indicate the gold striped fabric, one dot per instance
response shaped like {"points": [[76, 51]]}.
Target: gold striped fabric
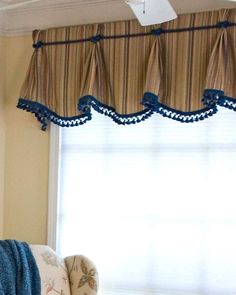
{"points": [[175, 66]]}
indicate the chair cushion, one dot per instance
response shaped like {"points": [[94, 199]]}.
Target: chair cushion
{"points": [[83, 275], [52, 269]]}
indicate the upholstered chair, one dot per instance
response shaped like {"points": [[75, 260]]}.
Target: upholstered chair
{"points": [[74, 275]]}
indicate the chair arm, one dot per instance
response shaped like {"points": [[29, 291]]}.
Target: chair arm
{"points": [[82, 273]]}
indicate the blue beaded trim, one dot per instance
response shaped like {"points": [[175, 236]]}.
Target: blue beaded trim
{"points": [[217, 97], [44, 115], [228, 102], [211, 98], [186, 117], [150, 100], [88, 101]]}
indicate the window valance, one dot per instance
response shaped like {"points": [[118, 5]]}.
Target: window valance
{"points": [[182, 70]]}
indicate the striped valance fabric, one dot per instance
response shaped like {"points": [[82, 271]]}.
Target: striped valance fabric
{"points": [[177, 71]]}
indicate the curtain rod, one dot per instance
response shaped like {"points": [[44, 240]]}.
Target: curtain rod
{"points": [[156, 32]]}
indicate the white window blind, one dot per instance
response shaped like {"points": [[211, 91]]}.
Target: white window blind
{"points": [[152, 204]]}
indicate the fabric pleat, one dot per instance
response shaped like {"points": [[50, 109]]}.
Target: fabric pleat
{"points": [[154, 69], [221, 67]]}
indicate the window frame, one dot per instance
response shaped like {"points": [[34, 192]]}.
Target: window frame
{"points": [[53, 187]]}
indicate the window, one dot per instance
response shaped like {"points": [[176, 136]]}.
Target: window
{"points": [[152, 204]]}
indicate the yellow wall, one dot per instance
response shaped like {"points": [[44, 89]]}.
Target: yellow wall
{"points": [[26, 155], [2, 129]]}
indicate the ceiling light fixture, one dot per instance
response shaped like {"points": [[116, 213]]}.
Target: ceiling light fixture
{"points": [[150, 12]]}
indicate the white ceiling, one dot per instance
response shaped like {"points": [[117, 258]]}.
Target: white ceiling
{"points": [[54, 13]]}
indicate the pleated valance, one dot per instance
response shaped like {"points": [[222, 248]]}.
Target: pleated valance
{"points": [[182, 70]]}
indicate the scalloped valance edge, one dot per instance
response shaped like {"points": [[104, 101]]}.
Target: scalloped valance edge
{"points": [[211, 98]]}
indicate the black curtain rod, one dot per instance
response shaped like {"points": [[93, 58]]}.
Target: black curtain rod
{"points": [[156, 32]]}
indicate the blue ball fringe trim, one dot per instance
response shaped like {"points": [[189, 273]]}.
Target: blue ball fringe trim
{"points": [[186, 117], [44, 115], [88, 101], [211, 98], [228, 102], [214, 97], [150, 100]]}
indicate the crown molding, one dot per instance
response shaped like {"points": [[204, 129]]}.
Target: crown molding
{"points": [[56, 13], [61, 5], [2, 24]]}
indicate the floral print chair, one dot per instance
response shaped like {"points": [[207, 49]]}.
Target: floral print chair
{"points": [[74, 275]]}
